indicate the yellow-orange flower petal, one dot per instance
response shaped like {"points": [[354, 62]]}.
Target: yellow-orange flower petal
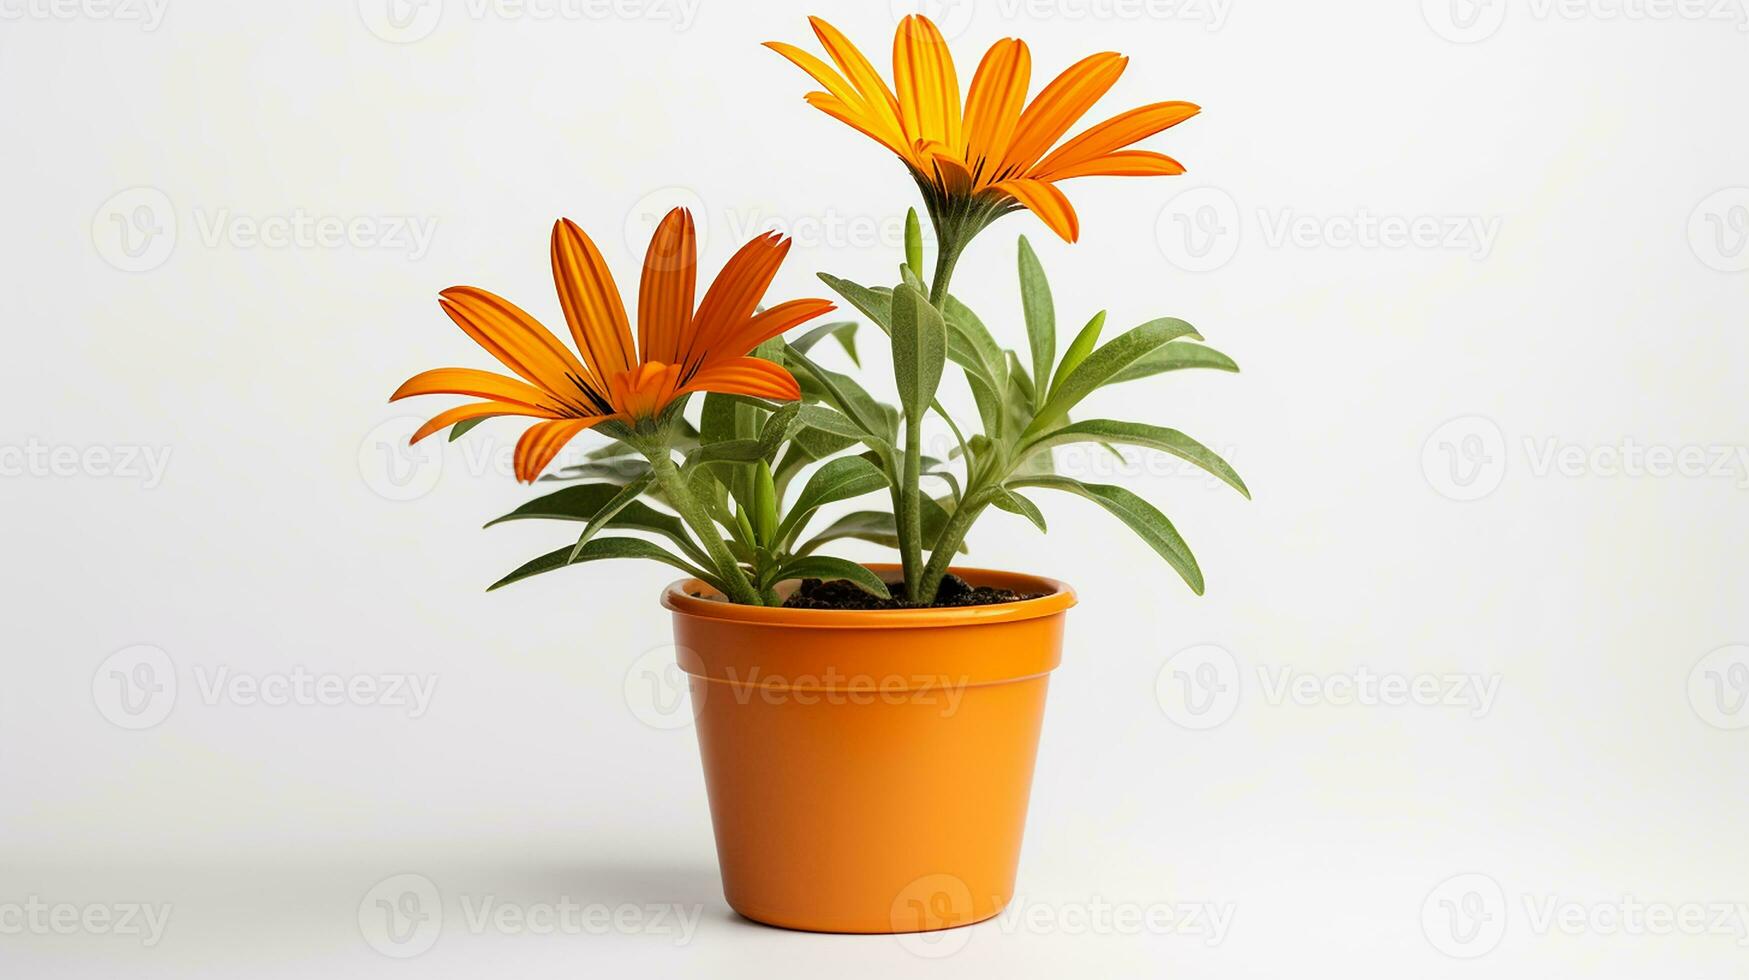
{"points": [[929, 93], [665, 293], [994, 101], [774, 321], [1123, 163], [1045, 200], [1114, 134], [591, 301], [878, 101], [1064, 101]]}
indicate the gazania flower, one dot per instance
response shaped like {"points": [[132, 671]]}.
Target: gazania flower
{"points": [[679, 351], [979, 163]]}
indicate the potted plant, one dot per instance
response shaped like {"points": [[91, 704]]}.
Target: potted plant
{"points": [[867, 731]]}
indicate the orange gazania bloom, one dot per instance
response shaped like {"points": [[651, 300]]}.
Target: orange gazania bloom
{"points": [[679, 351], [991, 157]]}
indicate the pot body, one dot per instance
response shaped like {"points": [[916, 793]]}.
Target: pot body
{"points": [[869, 772]]}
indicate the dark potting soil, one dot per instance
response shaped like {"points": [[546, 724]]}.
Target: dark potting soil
{"points": [[843, 594]]}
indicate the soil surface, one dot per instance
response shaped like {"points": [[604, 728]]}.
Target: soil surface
{"points": [[843, 594]]}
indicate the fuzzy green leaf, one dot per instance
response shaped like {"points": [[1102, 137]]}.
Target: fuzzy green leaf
{"points": [[1079, 348], [1141, 517], [827, 567], [1176, 357], [599, 549], [844, 332], [583, 502], [839, 479], [919, 351], [1041, 316], [1104, 364], [627, 495], [1139, 434], [1014, 503]]}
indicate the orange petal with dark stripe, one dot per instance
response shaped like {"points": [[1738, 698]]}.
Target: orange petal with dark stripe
{"points": [[665, 292], [1045, 200], [542, 442], [644, 391], [994, 101], [856, 120], [478, 384], [516, 339], [770, 323], [591, 301], [1114, 134], [733, 296], [476, 410], [746, 376]]}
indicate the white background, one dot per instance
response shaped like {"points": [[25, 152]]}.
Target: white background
{"points": [[1600, 312]]}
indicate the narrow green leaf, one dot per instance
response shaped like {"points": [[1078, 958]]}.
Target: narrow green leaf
{"points": [[1178, 356], [1014, 503], [872, 303], [622, 470], [729, 451], [839, 479], [465, 426], [583, 502], [777, 429], [1141, 517], [599, 549], [877, 527], [627, 495], [913, 243], [764, 505], [1041, 316], [827, 567], [919, 351], [843, 331], [1079, 348], [1139, 434], [843, 393], [1104, 364]]}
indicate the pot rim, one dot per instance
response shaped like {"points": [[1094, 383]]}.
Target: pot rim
{"points": [[678, 597]]}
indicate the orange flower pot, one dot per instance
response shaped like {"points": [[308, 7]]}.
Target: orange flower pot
{"points": [[869, 771]]}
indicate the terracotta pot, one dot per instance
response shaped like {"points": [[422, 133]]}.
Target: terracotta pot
{"points": [[869, 771]]}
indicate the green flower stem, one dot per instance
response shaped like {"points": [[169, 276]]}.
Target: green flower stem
{"points": [[947, 256], [911, 510], [947, 545], [693, 513]]}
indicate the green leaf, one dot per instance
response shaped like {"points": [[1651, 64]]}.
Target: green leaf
{"points": [[731, 451], [764, 505], [827, 567], [1079, 349], [777, 429], [982, 347], [583, 502], [844, 332], [1148, 523], [627, 495], [1106, 363], [839, 479], [919, 351], [913, 243], [465, 426], [842, 393], [599, 549], [877, 527], [1041, 316], [1014, 503], [872, 303], [1176, 357], [1139, 434]]}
